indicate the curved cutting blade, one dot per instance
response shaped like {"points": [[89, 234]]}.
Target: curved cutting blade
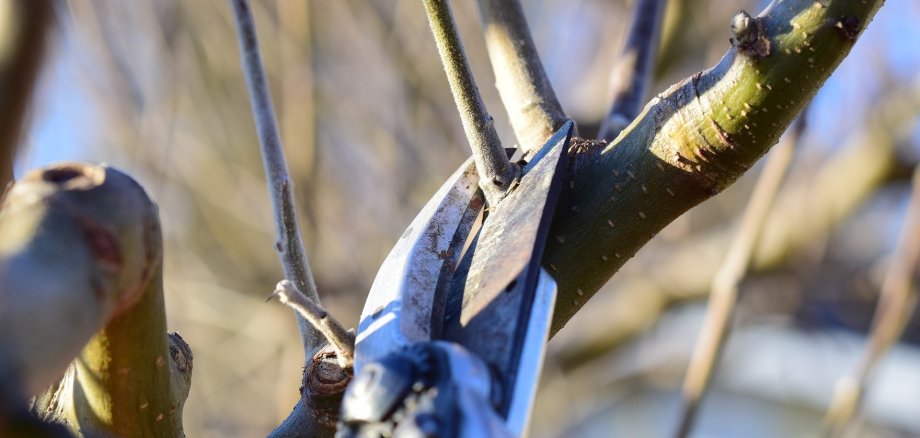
{"points": [[404, 298], [499, 291]]}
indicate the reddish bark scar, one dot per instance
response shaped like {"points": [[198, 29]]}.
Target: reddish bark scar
{"points": [[725, 137], [103, 245]]}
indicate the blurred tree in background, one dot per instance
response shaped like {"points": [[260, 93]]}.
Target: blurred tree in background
{"points": [[154, 87]]}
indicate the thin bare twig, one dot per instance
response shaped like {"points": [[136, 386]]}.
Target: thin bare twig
{"points": [[629, 80], [896, 303], [288, 242], [724, 294], [525, 90], [341, 339], [495, 169]]}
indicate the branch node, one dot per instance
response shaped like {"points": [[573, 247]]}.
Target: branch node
{"points": [[336, 335], [748, 35], [847, 27], [181, 353]]}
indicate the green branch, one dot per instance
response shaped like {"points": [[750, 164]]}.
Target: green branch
{"points": [[80, 260], [694, 140], [496, 172], [525, 90]]}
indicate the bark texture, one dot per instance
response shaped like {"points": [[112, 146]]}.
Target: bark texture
{"points": [[695, 139], [80, 261]]}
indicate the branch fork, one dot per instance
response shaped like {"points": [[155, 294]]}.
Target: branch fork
{"points": [[342, 340]]}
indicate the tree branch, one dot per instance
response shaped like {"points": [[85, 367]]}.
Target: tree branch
{"points": [[693, 140], [288, 241], [629, 81], [525, 90], [24, 30], [316, 414], [724, 295], [341, 339], [305, 418], [81, 258], [896, 302], [495, 170], [803, 213]]}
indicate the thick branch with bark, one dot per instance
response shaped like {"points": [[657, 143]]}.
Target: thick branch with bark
{"points": [[525, 90], [803, 214], [80, 260], [24, 29], [695, 139]]}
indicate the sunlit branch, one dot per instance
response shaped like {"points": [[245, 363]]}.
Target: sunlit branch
{"points": [[496, 171], [522, 83]]}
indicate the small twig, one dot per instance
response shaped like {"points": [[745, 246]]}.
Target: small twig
{"points": [[287, 239], [525, 90], [724, 294], [341, 339], [896, 302], [495, 169], [629, 81]]}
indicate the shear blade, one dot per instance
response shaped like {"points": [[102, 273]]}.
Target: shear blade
{"points": [[405, 294], [499, 289]]}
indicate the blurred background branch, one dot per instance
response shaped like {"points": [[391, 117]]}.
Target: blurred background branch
{"points": [[632, 73], [723, 295], [24, 29], [896, 303]]}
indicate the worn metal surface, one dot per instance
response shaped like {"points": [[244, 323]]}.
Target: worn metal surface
{"points": [[402, 300], [533, 352], [502, 279]]}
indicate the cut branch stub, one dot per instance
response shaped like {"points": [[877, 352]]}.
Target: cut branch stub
{"points": [[78, 245], [316, 414], [80, 260]]}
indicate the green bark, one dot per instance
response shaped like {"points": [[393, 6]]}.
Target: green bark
{"points": [[80, 260], [694, 140]]}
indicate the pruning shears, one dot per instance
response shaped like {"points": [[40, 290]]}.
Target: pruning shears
{"points": [[453, 333]]}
